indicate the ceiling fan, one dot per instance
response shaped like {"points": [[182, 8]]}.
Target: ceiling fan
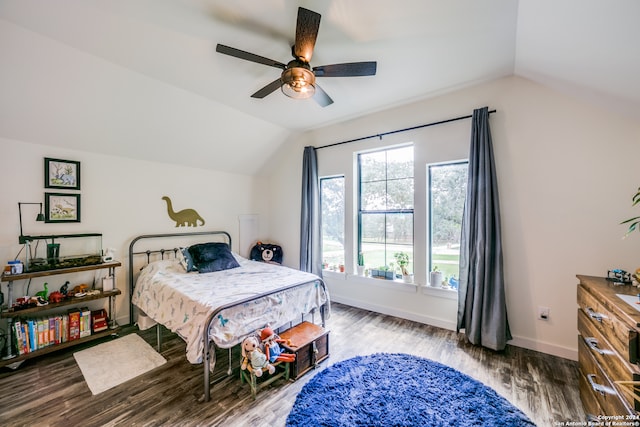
{"points": [[298, 79]]}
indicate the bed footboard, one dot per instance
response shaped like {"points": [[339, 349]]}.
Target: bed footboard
{"points": [[209, 353]]}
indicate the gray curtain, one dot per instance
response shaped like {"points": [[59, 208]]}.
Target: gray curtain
{"points": [[482, 309], [310, 237]]}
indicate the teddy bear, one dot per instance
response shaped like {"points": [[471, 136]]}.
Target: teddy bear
{"points": [[254, 358], [266, 252], [272, 349]]}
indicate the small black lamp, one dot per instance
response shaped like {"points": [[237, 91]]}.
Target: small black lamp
{"points": [[40, 217]]}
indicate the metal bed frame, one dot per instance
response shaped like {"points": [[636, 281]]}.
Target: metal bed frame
{"points": [[209, 354]]}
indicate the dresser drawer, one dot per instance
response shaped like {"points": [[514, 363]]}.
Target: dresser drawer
{"points": [[622, 338], [596, 385], [609, 361], [587, 396]]}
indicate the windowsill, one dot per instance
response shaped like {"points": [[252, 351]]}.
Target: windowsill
{"points": [[446, 293], [396, 285]]}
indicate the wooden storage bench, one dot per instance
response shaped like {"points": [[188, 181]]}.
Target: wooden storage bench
{"points": [[310, 343]]}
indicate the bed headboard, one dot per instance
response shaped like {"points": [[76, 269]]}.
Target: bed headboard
{"points": [[152, 247]]}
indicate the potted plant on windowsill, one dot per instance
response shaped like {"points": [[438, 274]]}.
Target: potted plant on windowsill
{"points": [[360, 264], [382, 272], [402, 258], [435, 277]]}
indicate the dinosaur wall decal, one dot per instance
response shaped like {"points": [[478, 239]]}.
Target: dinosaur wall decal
{"points": [[185, 217]]}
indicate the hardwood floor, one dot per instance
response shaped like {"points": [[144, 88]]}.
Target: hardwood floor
{"points": [[50, 391]]}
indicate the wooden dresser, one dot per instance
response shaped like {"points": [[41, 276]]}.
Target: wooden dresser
{"points": [[608, 348]]}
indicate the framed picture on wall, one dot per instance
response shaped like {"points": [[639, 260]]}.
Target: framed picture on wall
{"points": [[61, 207], [60, 173]]}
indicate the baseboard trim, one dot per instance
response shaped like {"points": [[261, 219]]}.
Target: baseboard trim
{"points": [[427, 320], [542, 347]]}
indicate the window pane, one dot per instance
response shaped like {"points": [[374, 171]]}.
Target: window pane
{"points": [[386, 187], [400, 163], [447, 192], [332, 200], [372, 196], [373, 166], [400, 194], [400, 229]]}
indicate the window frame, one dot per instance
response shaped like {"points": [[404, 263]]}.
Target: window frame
{"points": [[344, 228], [429, 241], [385, 212]]}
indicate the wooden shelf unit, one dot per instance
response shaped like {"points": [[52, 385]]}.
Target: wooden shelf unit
{"points": [[9, 314], [70, 301]]}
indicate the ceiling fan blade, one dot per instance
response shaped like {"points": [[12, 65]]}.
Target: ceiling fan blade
{"points": [[306, 33], [232, 51], [351, 69], [321, 97], [268, 89]]}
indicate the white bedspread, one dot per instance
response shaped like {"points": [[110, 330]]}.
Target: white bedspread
{"points": [[183, 301]]}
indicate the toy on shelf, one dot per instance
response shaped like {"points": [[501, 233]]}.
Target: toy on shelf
{"points": [[43, 294]]}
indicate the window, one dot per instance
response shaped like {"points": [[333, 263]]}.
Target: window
{"points": [[385, 206], [332, 201], [447, 192]]}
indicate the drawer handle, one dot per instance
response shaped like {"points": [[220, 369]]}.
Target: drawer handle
{"points": [[592, 342], [599, 387], [595, 315]]}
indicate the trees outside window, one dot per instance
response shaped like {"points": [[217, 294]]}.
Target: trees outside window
{"points": [[447, 192], [332, 201]]}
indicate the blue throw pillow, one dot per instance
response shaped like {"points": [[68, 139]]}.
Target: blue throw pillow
{"points": [[208, 257]]}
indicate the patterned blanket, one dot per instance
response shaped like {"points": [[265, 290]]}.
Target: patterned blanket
{"points": [[182, 301]]}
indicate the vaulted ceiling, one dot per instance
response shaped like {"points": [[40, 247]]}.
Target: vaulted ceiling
{"points": [[142, 79]]}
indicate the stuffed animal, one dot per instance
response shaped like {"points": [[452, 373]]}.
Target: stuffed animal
{"points": [[266, 252], [254, 358], [272, 349]]}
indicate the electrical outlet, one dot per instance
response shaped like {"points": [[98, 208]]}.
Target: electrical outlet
{"points": [[543, 313]]}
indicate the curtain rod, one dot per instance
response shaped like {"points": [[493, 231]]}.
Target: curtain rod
{"points": [[380, 135]]}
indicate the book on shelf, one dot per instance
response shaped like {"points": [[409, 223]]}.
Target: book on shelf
{"points": [[17, 334], [74, 324], [35, 333], [85, 322]]}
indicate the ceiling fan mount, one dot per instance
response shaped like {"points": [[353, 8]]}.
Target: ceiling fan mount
{"points": [[298, 78]]}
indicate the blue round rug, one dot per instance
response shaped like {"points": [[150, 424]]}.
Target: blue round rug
{"points": [[399, 390]]}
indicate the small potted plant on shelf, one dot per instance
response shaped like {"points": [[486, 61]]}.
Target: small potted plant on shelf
{"points": [[360, 264], [435, 277], [402, 258], [382, 272]]}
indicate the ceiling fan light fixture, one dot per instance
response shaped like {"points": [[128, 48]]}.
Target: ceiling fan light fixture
{"points": [[298, 83]]}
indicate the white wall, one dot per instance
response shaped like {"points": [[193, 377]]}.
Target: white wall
{"points": [[566, 174], [120, 198]]}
